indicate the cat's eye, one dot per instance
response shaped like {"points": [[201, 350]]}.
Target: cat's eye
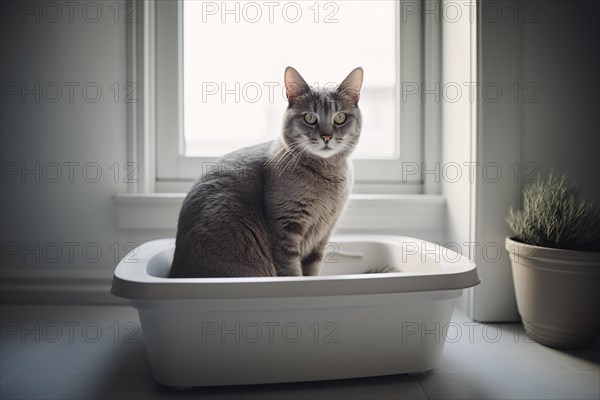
{"points": [[310, 119], [340, 118]]}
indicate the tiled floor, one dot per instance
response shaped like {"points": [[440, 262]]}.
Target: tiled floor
{"points": [[84, 352]]}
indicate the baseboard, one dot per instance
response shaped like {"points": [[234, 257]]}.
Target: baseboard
{"points": [[64, 286]]}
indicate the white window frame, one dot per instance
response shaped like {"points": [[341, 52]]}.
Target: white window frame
{"points": [[416, 208], [159, 37]]}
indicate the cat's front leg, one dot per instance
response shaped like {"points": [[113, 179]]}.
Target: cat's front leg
{"points": [[286, 254], [311, 264]]}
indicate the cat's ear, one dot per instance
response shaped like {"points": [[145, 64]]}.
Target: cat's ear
{"points": [[295, 85], [350, 87]]}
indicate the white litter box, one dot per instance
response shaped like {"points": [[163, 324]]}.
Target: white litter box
{"points": [[341, 324]]}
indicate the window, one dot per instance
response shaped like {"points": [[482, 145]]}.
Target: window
{"points": [[171, 153], [226, 108], [219, 71]]}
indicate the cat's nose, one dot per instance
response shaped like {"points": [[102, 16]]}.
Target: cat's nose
{"points": [[326, 138]]}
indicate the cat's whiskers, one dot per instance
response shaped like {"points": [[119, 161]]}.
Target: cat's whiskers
{"points": [[274, 156], [300, 150], [295, 157], [348, 148], [283, 152], [304, 150], [290, 156]]}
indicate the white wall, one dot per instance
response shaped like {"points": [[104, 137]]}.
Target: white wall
{"points": [[551, 54], [458, 133], [561, 54], [38, 213]]}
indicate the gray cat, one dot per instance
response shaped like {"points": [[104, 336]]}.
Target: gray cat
{"points": [[269, 209]]}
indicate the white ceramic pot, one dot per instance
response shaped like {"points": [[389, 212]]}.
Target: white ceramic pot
{"points": [[558, 294]]}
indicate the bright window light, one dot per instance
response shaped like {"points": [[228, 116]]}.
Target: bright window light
{"points": [[235, 52]]}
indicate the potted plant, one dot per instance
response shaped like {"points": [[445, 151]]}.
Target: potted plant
{"points": [[555, 258]]}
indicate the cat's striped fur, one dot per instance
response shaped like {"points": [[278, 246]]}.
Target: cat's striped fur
{"points": [[269, 209]]}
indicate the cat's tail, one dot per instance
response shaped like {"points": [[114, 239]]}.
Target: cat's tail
{"points": [[383, 270]]}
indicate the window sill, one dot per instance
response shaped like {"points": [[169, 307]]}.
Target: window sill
{"points": [[364, 213]]}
